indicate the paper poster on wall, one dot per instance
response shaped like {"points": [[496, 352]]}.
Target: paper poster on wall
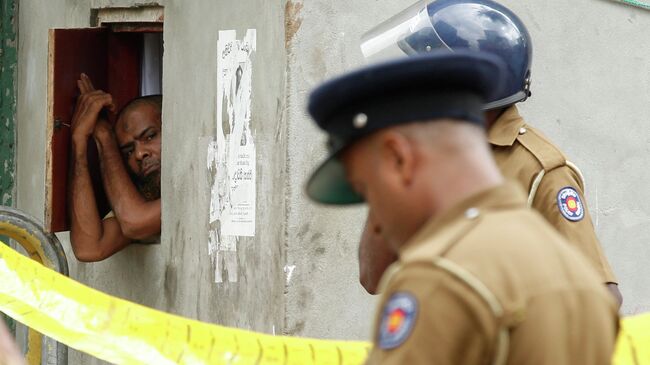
{"points": [[222, 249], [234, 195]]}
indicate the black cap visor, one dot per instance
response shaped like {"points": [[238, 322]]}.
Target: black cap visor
{"points": [[328, 184]]}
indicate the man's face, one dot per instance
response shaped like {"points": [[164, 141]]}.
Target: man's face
{"points": [[138, 134], [371, 176]]}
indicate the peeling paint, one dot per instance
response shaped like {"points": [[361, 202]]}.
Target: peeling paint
{"points": [[223, 254], [288, 269], [293, 20]]}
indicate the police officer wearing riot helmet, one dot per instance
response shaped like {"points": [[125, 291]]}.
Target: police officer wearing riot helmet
{"points": [[471, 284], [554, 185]]}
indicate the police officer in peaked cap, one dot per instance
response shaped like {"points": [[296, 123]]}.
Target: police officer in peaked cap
{"points": [[471, 285], [554, 185]]}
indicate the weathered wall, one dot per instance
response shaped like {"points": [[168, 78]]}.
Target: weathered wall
{"points": [[324, 297], [591, 95], [178, 275]]}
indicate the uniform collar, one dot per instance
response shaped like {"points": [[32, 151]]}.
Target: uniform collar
{"points": [[440, 232], [506, 128]]}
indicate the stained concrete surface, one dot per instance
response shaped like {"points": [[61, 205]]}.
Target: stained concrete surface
{"points": [[591, 95]]}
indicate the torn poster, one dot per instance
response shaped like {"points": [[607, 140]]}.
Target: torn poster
{"points": [[231, 155], [236, 160], [222, 249]]}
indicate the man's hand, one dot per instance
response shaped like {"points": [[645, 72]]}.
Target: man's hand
{"points": [[89, 104], [103, 128]]}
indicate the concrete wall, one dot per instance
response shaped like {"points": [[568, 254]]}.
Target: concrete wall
{"points": [[591, 85], [324, 298]]}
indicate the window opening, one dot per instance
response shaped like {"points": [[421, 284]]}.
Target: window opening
{"points": [[123, 56], [151, 69]]}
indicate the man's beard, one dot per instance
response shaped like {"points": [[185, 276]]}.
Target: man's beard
{"points": [[149, 186]]}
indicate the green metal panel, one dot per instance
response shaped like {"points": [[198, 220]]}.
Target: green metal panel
{"points": [[8, 61]]}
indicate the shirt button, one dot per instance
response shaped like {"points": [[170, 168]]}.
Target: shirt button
{"points": [[472, 213], [522, 130]]}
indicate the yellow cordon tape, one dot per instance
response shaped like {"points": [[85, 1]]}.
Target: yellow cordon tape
{"points": [[633, 347], [122, 332]]}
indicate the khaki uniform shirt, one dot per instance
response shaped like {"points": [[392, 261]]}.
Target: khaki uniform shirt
{"points": [[490, 282], [523, 154]]}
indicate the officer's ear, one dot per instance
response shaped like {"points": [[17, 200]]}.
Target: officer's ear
{"points": [[398, 155]]}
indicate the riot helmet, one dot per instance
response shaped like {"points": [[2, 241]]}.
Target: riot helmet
{"points": [[480, 25]]}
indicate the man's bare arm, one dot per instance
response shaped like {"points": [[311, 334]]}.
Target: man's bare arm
{"points": [[138, 217], [92, 238]]}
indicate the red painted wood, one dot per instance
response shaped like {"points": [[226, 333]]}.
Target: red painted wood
{"points": [[123, 72], [112, 61], [73, 51]]}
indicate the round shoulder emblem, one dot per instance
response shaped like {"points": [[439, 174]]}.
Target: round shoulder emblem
{"points": [[568, 200], [397, 321]]}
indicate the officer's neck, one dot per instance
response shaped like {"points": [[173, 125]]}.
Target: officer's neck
{"points": [[462, 179], [447, 187]]}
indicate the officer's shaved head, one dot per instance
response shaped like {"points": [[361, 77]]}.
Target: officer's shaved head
{"points": [[447, 134]]}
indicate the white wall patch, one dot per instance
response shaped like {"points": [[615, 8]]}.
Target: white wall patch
{"points": [[288, 269]]}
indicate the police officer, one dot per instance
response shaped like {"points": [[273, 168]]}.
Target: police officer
{"points": [[554, 185], [472, 282]]}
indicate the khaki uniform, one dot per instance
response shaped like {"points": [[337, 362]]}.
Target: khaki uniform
{"points": [[490, 282], [526, 156]]}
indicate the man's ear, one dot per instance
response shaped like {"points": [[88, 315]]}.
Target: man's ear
{"points": [[399, 155]]}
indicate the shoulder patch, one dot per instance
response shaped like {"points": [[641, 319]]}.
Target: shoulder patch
{"points": [[570, 205], [397, 320]]}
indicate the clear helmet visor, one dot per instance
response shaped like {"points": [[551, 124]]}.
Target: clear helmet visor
{"points": [[408, 33]]}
